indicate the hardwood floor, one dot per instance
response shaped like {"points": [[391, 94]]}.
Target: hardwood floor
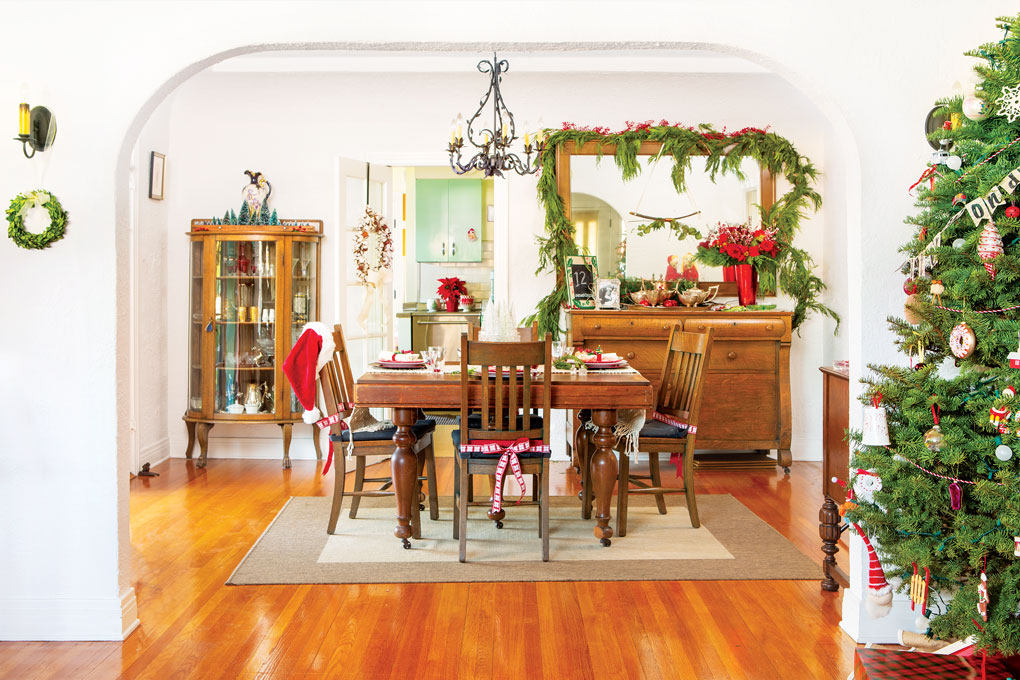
{"points": [[190, 528]]}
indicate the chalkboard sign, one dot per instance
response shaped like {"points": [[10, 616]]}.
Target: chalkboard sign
{"points": [[582, 275]]}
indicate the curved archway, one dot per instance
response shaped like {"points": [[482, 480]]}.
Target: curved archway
{"points": [[842, 135]]}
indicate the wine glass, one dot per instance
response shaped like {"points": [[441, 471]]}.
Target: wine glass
{"points": [[436, 354], [559, 348]]}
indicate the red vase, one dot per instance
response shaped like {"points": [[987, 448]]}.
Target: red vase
{"points": [[729, 273], [451, 304], [747, 284]]}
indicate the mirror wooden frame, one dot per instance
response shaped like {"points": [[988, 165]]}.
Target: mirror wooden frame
{"points": [[766, 189]]}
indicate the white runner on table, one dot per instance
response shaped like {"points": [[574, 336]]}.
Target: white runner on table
{"points": [[455, 368]]}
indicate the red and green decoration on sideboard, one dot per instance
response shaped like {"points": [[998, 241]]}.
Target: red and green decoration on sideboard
{"points": [[791, 271]]}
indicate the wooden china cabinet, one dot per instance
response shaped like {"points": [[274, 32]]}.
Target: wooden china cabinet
{"points": [[253, 287]]}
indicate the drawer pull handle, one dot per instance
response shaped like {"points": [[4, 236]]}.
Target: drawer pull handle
{"points": [[630, 355], [701, 327], [665, 326], [631, 323], [597, 326], [732, 355], [769, 327]]}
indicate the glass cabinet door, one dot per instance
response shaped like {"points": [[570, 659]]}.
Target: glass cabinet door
{"points": [[304, 302], [198, 322], [245, 340]]}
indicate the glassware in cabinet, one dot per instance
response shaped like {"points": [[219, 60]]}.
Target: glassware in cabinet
{"points": [[196, 328]]}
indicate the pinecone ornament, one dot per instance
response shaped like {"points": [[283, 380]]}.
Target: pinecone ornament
{"points": [[989, 247]]}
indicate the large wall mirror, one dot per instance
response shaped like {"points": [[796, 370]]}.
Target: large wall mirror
{"points": [[600, 204]]}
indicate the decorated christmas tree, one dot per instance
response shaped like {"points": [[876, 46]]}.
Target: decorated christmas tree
{"points": [[940, 496]]}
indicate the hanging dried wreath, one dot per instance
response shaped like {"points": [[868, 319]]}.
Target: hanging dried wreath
{"points": [[373, 245]]}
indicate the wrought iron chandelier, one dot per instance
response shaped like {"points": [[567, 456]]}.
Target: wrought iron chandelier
{"points": [[494, 143]]}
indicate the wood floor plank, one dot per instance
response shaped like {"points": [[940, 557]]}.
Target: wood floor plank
{"points": [[190, 527]]}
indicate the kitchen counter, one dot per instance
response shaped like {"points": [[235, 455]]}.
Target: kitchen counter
{"points": [[407, 314]]}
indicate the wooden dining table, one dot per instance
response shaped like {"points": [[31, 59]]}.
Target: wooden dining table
{"points": [[407, 391]]}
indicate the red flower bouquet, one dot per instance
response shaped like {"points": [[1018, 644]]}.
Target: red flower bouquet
{"points": [[731, 244], [450, 289]]}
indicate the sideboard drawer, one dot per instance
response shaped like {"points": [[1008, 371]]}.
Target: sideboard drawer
{"points": [[739, 328], [644, 355], [744, 356], [650, 325]]}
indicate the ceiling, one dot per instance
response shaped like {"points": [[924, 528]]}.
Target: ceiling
{"points": [[543, 61]]}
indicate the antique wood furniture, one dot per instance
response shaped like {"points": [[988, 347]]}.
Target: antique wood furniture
{"points": [[681, 388], [505, 419], [835, 464], [448, 212], [747, 380], [338, 393], [766, 187], [405, 393], [253, 287]]}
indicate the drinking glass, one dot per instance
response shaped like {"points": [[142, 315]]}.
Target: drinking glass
{"points": [[559, 348], [435, 356]]}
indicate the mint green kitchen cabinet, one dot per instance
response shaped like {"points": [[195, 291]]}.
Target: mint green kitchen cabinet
{"points": [[448, 219]]}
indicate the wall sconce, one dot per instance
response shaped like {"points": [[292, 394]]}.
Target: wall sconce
{"points": [[36, 128]]}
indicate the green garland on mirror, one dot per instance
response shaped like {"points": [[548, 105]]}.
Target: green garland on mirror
{"points": [[723, 152], [19, 208]]}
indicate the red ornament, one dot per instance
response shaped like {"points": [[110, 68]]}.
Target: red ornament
{"points": [[909, 287], [1012, 212], [948, 125]]}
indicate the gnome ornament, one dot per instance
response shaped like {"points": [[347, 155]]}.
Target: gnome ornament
{"points": [[989, 247], [879, 599], [310, 353]]}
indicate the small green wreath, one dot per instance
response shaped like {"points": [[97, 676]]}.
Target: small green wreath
{"points": [[20, 206]]}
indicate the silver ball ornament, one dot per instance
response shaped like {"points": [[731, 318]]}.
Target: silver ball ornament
{"points": [[1003, 452], [954, 162], [959, 243], [934, 439]]}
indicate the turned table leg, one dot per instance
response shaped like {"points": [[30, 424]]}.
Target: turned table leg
{"points": [[603, 470], [829, 529], [191, 437], [404, 465], [202, 430], [288, 431], [784, 458]]}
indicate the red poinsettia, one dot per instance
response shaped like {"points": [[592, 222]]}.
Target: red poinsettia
{"points": [[451, 288]]}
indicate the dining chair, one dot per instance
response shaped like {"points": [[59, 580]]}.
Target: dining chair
{"points": [[338, 394], [673, 426], [505, 428]]}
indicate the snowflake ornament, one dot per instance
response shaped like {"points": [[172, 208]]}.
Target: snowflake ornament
{"points": [[1009, 103]]}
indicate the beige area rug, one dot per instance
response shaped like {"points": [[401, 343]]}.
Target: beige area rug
{"points": [[731, 544]]}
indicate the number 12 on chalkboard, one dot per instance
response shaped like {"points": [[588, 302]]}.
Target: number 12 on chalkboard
{"points": [[582, 273]]}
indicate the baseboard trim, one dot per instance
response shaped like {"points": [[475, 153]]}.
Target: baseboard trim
{"points": [[66, 619], [154, 453], [129, 610]]}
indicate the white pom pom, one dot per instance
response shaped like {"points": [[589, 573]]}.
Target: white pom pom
{"points": [[921, 623], [311, 417]]}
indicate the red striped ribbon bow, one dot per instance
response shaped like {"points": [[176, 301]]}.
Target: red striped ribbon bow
{"points": [[929, 174], [675, 458], [507, 454], [327, 422]]}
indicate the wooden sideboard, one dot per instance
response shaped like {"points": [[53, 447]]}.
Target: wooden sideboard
{"points": [[747, 383], [835, 465]]}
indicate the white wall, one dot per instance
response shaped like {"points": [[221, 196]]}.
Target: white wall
{"points": [[151, 266], [63, 466]]}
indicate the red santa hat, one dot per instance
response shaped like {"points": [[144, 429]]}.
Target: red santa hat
{"points": [[307, 357], [879, 599]]}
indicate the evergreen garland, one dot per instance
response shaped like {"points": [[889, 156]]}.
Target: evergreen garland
{"points": [[724, 153], [911, 516]]}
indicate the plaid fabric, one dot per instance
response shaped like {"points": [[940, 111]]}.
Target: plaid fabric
{"points": [[884, 664]]}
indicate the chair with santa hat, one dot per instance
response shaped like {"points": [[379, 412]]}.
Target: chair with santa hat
{"points": [[319, 352]]}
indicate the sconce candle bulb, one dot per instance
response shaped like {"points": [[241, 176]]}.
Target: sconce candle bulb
{"points": [[23, 119]]}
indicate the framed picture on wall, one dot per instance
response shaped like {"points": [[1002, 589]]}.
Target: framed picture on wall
{"points": [[608, 296], [157, 175]]}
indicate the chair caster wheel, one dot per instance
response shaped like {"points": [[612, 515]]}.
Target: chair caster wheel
{"points": [[499, 524], [786, 470], [406, 543], [421, 506], [605, 542]]}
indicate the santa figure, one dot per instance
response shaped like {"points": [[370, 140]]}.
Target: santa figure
{"points": [[689, 271], [982, 604], [672, 268]]}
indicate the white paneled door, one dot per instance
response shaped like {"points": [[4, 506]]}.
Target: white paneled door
{"points": [[365, 310]]}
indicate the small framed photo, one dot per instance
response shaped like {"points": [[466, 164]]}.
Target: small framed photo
{"points": [[157, 175], [582, 274], [608, 296]]}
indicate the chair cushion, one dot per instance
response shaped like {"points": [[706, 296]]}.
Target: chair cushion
{"points": [[455, 436], [420, 429], [660, 430]]}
